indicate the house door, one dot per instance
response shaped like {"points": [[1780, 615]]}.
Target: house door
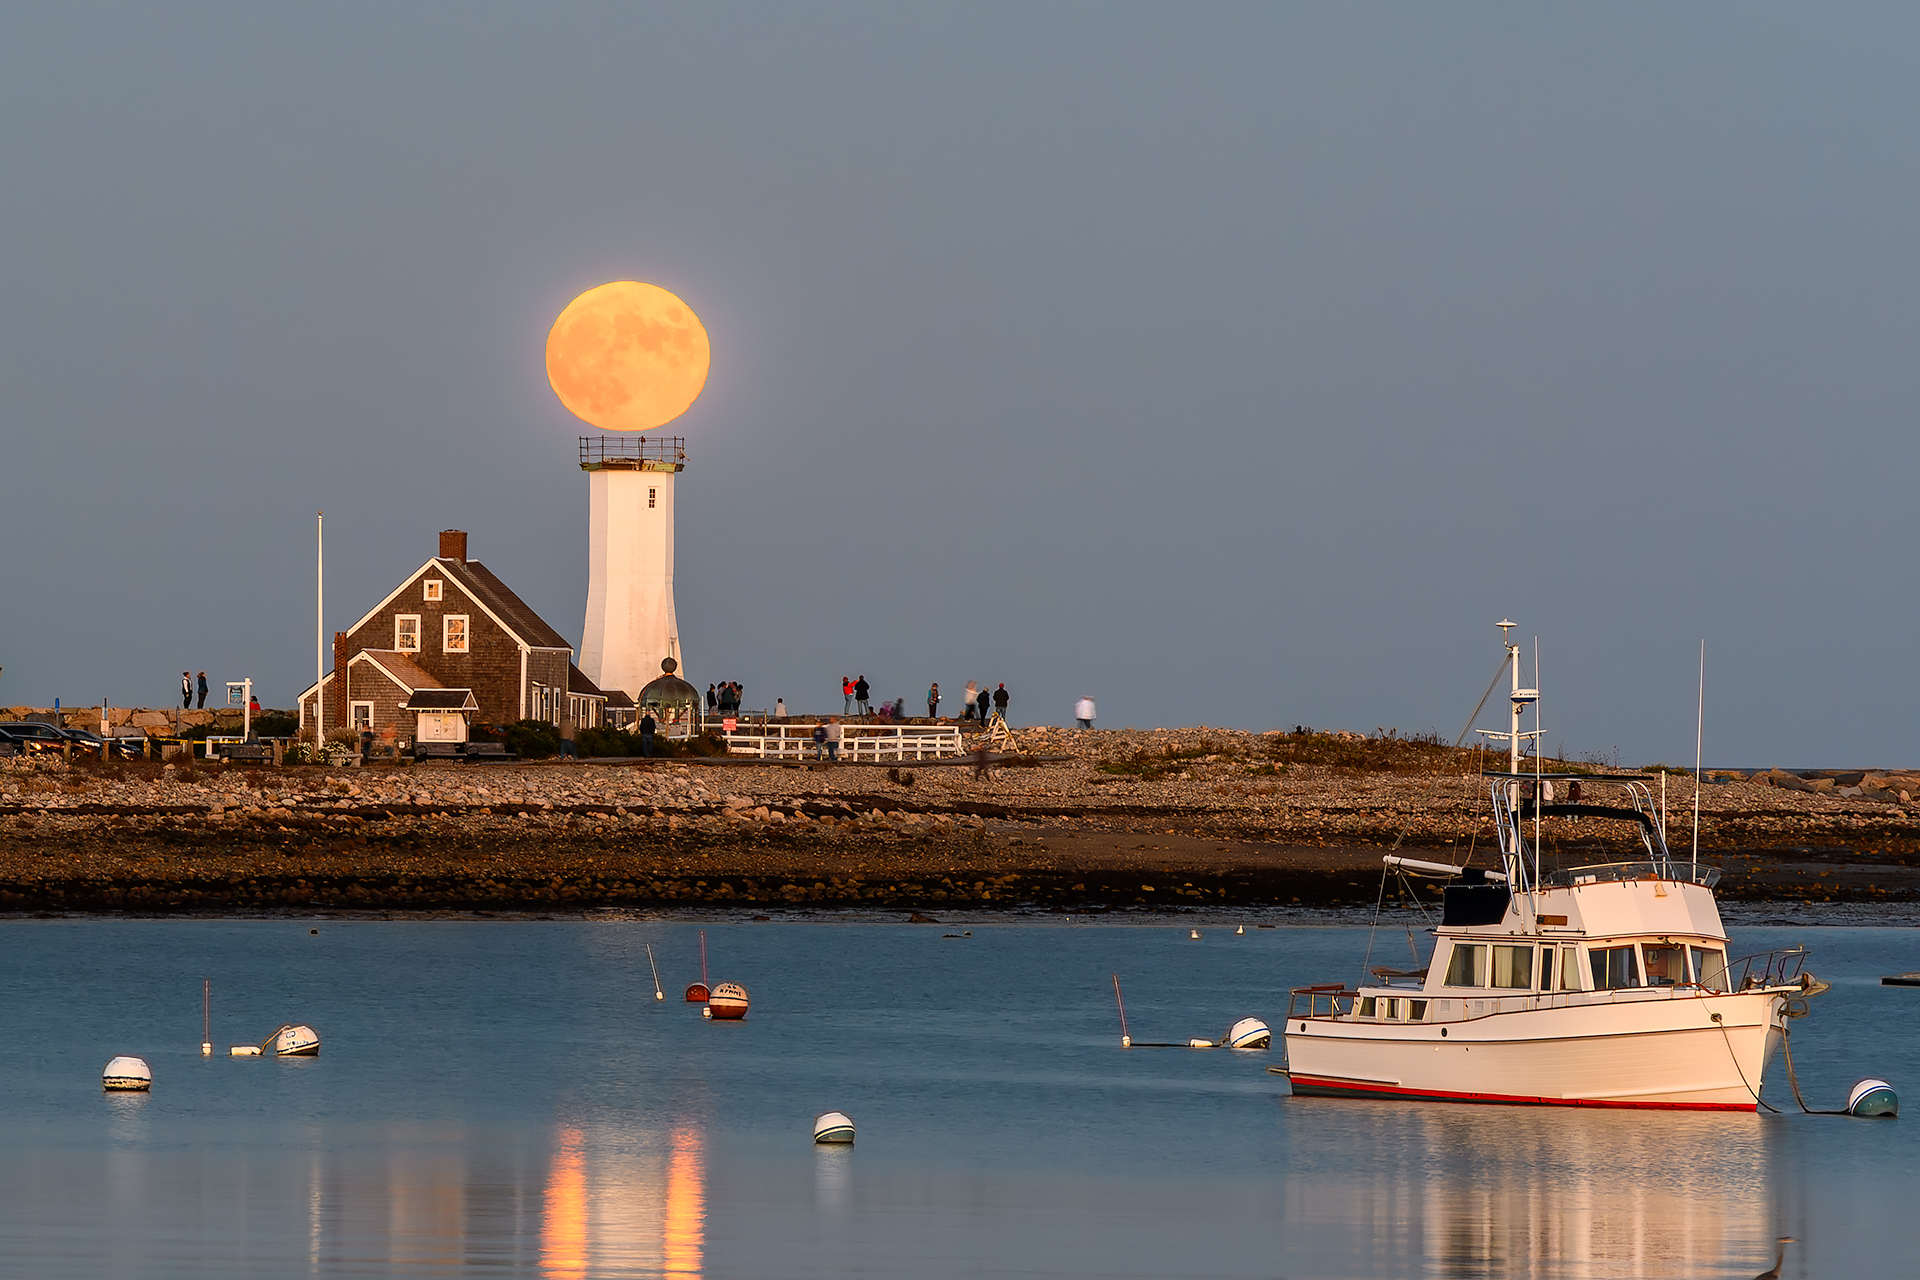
{"points": [[441, 726]]}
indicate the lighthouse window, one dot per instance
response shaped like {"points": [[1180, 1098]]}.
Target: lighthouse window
{"points": [[1466, 968], [1613, 967], [651, 495], [1710, 967], [1513, 967]]}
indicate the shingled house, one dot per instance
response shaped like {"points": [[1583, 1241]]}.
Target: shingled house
{"points": [[451, 645]]}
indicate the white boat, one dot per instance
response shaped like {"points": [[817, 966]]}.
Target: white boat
{"points": [[1600, 986]]}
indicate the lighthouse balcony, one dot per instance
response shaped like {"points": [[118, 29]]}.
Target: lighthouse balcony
{"points": [[633, 453]]}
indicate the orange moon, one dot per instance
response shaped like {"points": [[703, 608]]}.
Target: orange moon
{"points": [[627, 356]]}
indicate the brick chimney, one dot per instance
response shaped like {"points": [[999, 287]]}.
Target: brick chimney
{"points": [[453, 545], [338, 719]]}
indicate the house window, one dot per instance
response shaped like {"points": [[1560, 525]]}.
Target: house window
{"points": [[453, 633], [432, 589], [651, 495], [406, 633], [360, 714]]}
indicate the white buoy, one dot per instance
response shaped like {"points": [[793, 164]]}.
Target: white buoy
{"points": [[127, 1074], [1193, 933], [1870, 1097], [292, 1040], [728, 1001], [1197, 1043], [831, 1127], [1249, 1033], [244, 1051], [1241, 930]]}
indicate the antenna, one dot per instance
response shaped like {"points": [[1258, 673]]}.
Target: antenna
{"points": [[1699, 733]]}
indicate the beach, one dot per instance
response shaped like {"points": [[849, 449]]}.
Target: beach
{"points": [[1072, 820]]}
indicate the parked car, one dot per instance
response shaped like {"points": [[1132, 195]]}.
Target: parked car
{"points": [[34, 736], [88, 740]]}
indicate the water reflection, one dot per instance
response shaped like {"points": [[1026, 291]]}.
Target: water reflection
{"points": [[623, 1203], [1537, 1192]]}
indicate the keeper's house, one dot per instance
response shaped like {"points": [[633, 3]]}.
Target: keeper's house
{"points": [[451, 646]]}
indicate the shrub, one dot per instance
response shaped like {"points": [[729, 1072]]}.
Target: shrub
{"points": [[276, 724], [532, 739]]}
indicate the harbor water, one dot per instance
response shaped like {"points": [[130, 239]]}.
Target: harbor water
{"points": [[508, 1097]]}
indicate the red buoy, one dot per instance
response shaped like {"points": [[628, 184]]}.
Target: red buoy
{"points": [[697, 993], [729, 1001]]}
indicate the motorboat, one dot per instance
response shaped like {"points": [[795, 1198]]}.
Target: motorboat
{"points": [[1602, 986]]}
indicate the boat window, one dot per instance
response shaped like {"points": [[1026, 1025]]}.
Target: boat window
{"points": [[1465, 966], [1613, 967], [1666, 966], [1547, 969], [1570, 969], [1710, 967], [1513, 967], [1366, 1007], [1417, 1010]]}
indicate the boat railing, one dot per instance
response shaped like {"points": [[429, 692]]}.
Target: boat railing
{"points": [[1641, 870], [1321, 1001], [1782, 967]]}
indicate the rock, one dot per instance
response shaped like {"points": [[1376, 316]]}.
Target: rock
{"points": [[151, 719]]}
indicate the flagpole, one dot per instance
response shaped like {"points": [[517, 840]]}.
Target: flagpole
{"points": [[319, 630]]}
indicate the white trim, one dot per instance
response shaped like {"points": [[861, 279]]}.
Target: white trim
{"points": [[433, 590], [399, 618], [413, 577], [446, 633], [523, 679]]}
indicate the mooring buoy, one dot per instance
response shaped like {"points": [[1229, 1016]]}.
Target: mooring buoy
{"points": [[697, 993], [1249, 1033], [292, 1040], [127, 1074], [833, 1128], [729, 1001], [1872, 1097]]}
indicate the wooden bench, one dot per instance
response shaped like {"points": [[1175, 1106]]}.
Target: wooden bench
{"points": [[256, 751]]}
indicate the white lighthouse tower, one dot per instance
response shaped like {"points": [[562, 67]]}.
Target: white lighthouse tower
{"points": [[630, 625], [629, 358]]}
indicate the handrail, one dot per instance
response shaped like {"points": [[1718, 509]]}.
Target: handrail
{"points": [[1781, 967], [1608, 872]]}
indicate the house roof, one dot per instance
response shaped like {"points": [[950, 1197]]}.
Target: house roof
{"points": [[491, 594], [512, 610], [577, 683], [441, 700], [617, 699], [400, 666]]}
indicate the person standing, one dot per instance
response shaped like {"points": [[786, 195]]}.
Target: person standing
{"points": [[819, 742], [1084, 712], [713, 700], [186, 690], [203, 692], [966, 702], [1000, 700], [861, 692], [933, 701], [980, 701], [846, 692], [647, 726], [833, 737]]}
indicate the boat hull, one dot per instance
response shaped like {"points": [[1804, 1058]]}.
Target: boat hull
{"points": [[1661, 1052]]}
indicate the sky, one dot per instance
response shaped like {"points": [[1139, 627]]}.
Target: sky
{"points": [[1236, 365]]}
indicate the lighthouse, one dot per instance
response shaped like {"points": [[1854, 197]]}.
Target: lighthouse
{"points": [[629, 358], [630, 624]]}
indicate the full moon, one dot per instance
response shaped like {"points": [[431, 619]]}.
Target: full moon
{"points": [[627, 356]]}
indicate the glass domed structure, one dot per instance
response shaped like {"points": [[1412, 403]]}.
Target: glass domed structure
{"points": [[672, 702]]}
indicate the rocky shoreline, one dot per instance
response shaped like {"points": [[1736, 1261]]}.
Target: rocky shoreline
{"points": [[1079, 821]]}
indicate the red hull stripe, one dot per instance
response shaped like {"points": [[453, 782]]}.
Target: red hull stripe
{"points": [[1315, 1087]]}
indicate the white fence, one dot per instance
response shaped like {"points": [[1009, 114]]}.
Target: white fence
{"points": [[863, 742]]}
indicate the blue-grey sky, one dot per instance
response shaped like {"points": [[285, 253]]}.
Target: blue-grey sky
{"points": [[1237, 365]]}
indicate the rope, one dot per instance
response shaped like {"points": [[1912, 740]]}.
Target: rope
{"points": [[1786, 1045], [1739, 1070]]}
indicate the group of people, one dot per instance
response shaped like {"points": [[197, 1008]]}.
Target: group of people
{"points": [[977, 704], [187, 690], [724, 697], [977, 700]]}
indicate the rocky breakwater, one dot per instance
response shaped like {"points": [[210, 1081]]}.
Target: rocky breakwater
{"points": [[1079, 820]]}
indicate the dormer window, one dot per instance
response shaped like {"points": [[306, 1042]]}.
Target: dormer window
{"points": [[432, 589]]}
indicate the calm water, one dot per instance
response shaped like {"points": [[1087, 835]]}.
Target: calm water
{"points": [[507, 1097]]}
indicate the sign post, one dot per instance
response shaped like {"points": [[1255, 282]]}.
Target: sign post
{"points": [[240, 694]]}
